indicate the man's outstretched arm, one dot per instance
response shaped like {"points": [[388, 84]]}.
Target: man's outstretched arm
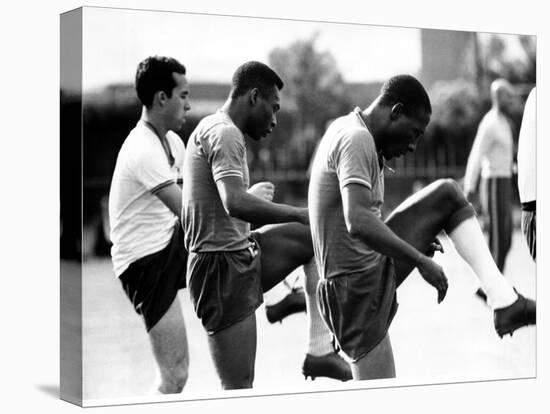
{"points": [[243, 205]]}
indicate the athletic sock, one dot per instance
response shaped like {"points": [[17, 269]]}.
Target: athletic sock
{"points": [[472, 247], [277, 293], [319, 336]]}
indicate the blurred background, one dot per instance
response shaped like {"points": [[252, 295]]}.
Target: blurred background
{"points": [[328, 69]]}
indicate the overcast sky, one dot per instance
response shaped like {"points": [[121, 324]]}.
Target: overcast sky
{"points": [[212, 47]]}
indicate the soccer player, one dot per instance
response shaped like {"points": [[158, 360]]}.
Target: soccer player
{"points": [[492, 156], [148, 252], [527, 172], [362, 259], [230, 267]]}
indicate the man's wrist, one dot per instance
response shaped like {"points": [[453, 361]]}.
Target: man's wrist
{"points": [[420, 257]]}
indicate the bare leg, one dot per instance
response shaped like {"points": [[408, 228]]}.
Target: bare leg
{"points": [[442, 206], [284, 248], [233, 351], [419, 219], [377, 364], [169, 342]]}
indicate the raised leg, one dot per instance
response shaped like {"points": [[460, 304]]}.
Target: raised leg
{"points": [[284, 248], [442, 206], [419, 219]]}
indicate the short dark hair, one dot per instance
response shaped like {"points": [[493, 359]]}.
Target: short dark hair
{"points": [[405, 89], [254, 75], [155, 74]]}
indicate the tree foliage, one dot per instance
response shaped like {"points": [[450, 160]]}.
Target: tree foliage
{"points": [[314, 86], [509, 57]]}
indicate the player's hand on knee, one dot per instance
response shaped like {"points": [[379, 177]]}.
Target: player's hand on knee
{"points": [[434, 246], [264, 189], [434, 275]]}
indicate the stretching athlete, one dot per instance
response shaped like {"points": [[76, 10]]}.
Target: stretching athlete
{"points": [[362, 259]]}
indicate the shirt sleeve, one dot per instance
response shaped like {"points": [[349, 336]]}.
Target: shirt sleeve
{"points": [[227, 154], [151, 168], [353, 158], [178, 151], [527, 151], [480, 149]]}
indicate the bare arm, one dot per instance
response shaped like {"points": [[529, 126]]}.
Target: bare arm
{"points": [[243, 205], [365, 225], [171, 196]]}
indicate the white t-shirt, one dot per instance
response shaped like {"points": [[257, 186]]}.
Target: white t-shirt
{"points": [[492, 152], [141, 224], [527, 151]]}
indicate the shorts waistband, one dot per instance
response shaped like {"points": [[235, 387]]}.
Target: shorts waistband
{"points": [[530, 206], [250, 247]]}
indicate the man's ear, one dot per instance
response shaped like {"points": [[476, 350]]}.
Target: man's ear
{"points": [[397, 110], [160, 97], [254, 95]]}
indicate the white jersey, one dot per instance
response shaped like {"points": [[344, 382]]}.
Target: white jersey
{"points": [[527, 151], [141, 224], [493, 150]]}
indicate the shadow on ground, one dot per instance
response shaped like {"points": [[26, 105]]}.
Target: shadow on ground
{"points": [[51, 390]]}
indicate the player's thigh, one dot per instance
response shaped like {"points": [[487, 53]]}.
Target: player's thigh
{"points": [[419, 219], [378, 363], [284, 247], [233, 351], [169, 338]]}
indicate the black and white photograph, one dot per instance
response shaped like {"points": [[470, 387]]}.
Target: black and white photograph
{"points": [[276, 206]]}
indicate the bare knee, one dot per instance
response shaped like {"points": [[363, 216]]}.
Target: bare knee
{"points": [[449, 193]]}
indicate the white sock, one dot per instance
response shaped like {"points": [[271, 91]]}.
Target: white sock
{"points": [[319, 336], [471, 245], [278, 292]]}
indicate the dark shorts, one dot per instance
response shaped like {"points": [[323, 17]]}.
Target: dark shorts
{"points": [[529, 227], [495, 197], [152, 282], [358, 308], [225, 287]]}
